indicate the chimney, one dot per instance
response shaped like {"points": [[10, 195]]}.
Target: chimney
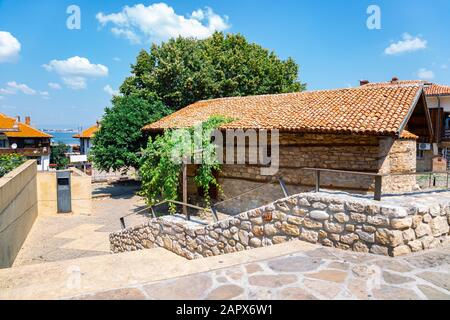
{"points": [[394, 79], [18, 118], [363, 82], [27, 120]]}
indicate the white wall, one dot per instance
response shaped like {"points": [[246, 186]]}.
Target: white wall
{"points": [[45, 162], [432, 103]]}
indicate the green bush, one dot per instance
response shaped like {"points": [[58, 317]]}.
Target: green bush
{"points": [[9, 162]]}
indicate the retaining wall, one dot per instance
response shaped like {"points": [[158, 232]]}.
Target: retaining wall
{"points": [[18, 210], [339, 221]]}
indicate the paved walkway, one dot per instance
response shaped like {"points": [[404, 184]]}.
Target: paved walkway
{"points": [[321, 273], [293, 270], [63, 237]]}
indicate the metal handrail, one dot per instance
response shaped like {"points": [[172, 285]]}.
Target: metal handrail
{"points": [[188, 216], [377, 176]]}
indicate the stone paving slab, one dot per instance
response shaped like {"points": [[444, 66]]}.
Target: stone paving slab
{"points": [[321, 273], [67, 278]]}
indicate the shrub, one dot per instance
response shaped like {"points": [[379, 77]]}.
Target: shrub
{"points": [[9, 162]]}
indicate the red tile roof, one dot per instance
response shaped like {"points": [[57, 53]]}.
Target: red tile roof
{"points": [[379, 110], [22, 130], [88, 133], [431, 89]]}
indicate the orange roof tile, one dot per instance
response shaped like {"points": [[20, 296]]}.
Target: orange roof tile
{"points": [[88, 133], [408, 135], [431, 89], [22, 130], [363, 110]]}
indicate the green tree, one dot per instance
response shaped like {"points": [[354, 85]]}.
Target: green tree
{"points": [[161, 162], [185, 70], [58, 155], [119, 140]]}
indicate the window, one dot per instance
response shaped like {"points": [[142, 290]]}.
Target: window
{"points": [[3, 143], [28, 143]]}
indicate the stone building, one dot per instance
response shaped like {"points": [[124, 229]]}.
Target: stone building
{"points": [[364, 129], [436, 156]]}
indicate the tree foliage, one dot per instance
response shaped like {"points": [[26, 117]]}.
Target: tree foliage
{"points": [[58, 155], [119, 140], [9, 162], [185, 70], [162, 160]]}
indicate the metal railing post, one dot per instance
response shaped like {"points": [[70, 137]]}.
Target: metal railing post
{"points": [[317, 175], [214, 214], [283, 187], [378, 185]]}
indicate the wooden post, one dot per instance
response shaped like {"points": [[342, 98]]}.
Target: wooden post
{"points": [[185, 198], [378, 184], [317, 180]]}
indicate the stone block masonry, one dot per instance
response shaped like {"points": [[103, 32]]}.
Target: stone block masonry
{"points": [[340, 221]]}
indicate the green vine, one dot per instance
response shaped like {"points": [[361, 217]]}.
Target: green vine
{"points": [[161, 163]]}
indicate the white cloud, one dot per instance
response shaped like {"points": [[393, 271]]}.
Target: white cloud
{"points": [[425, 74], [9, 47], [407, 44], [159, 22], [109, 90], [54, 86], [13, 87], [75, 71], [44, 94]]}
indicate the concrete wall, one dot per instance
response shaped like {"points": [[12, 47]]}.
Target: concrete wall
{"points": [[343, 222], [18, 210], [81, 188]]}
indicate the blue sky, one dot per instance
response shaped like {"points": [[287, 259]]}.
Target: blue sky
{"points": [[64, 78]]}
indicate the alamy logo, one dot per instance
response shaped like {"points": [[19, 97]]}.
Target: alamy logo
{"points": [[374, 19], [253, 147], [73, 22]]}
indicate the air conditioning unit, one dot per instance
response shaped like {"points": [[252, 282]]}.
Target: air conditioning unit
{"points": [[424, 146]]}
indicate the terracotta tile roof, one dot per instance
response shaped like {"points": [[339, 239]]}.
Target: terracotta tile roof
{"points": [[363, 110], [88, 133], [431, 89], [408, 135], [21, 131]]}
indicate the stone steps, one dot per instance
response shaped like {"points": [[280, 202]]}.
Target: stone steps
{"points": [[69, 278]]}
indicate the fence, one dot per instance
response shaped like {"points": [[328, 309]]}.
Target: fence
{"points": [[429, 180]]}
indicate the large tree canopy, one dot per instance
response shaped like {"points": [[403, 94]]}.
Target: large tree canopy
{"points": [[117, 143], [185, 70]]}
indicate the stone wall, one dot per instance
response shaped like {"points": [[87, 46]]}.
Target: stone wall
{"points": [[18, 210], [338, 221], [340, 152]]}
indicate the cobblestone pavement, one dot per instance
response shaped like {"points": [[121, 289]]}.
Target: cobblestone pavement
{"points": [[322, 273], [63, 237]]}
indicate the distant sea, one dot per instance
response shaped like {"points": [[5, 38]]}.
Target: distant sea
{"points": [[64, 137]]}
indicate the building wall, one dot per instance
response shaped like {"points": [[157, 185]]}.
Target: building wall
{"points": [[85, 145], [81, 189], [18, 210], [340, 152]]}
